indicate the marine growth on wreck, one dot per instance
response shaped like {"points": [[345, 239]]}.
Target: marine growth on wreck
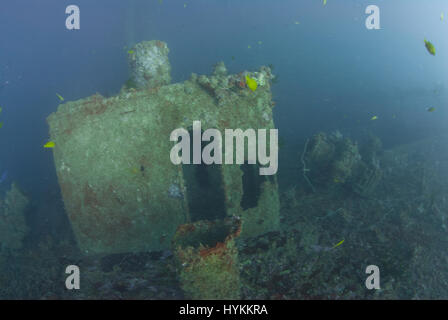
{"points": [[223, 150]]}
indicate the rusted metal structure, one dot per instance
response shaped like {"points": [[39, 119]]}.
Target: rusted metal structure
{"points": [[112, 157]]}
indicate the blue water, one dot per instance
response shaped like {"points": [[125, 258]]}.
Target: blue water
{"points": [[333, 73], [332, 70]]}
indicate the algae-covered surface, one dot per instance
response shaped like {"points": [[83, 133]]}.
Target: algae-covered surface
{"points": [[292, 262], [223, 150], [114, 168]]}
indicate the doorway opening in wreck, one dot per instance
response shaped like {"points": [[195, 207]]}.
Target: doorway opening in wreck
{"points": [[252, 182], [205, 193]]}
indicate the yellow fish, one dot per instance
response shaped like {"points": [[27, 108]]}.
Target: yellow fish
{"points": [[442, 16], [60, 97], [338, 244], [1, 109], [325, 2], [374, 118], [430, 47], [296, 22], [249, 46], [49, 144], [1, 125], [431, 109], [251, 83], [131, 52]]}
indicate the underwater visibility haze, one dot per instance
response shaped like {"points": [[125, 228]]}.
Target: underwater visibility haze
{"points": [[115, 157]]}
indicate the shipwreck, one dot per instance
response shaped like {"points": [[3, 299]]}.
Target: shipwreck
{"points": [[112, 157]]}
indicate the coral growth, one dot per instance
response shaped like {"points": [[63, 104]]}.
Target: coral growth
{"points": [[13, 226], [149, 63], [333, 159], [226, 88], [208, 259]]}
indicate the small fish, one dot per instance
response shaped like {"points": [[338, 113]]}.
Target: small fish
{"points": [[251, 83], [233, 58], [430, 47], [336, 180], [1, 109], [249, 46], [338, 244], [131, 52], [296, 22], [260, 42], [442, 16], [374, 118], [394, 116], [185, 5], [325, 2], [49, 144], [60, 97], [431, 109], [1, 124]]}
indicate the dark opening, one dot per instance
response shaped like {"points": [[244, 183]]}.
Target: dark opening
{"points": [[252, 181], [205, 194]]}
